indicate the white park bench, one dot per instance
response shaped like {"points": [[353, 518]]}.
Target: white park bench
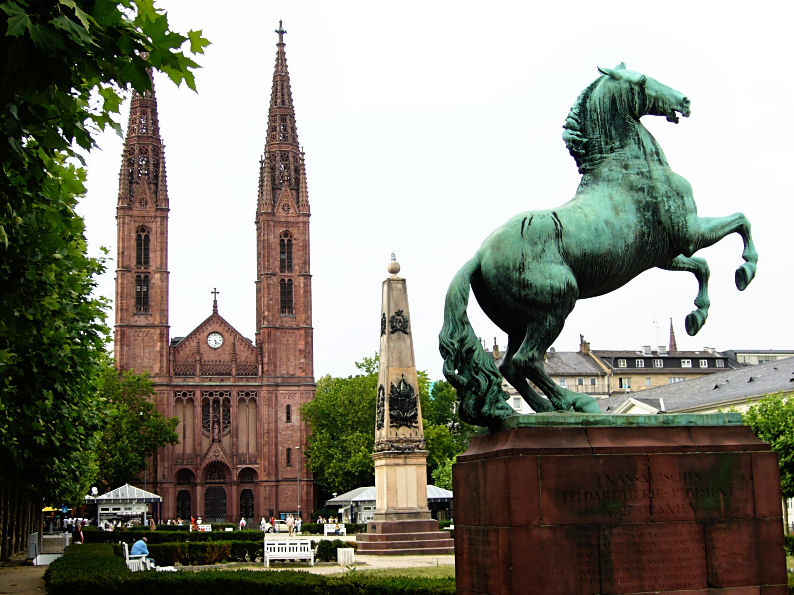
{"points": [[137, 562], [331, 529], [288, 549]]}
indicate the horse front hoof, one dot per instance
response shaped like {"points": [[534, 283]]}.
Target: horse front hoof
{"points": [[744, 274], [694, 322]]}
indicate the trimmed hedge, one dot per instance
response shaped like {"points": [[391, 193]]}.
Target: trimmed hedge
{"points": [[153, 537], [93, 569]]}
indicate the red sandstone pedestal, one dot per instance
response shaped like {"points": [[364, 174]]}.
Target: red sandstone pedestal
{"points": [[619, 509]]}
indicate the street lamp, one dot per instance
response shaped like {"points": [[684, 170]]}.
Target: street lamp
{"points": [[298, 453]]}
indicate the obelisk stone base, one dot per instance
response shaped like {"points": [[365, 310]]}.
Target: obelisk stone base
{"points": [[403, 525], [544, 508]]}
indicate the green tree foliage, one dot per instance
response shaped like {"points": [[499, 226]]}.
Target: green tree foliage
{"points": [[65, 67], [342, 422], [132, 429], [442, 475], [772, 420]]}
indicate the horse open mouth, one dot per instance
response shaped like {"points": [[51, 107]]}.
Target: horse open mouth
{"points": [[673, 117]]}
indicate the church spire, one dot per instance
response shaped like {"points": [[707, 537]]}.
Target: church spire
{"points": [[672, 346], [142, 181], [281, 175]]}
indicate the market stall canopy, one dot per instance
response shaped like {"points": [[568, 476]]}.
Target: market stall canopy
{"points": [[126, 494], [367, 494]]}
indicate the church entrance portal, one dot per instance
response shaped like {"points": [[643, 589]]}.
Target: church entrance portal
{"points": [[215, 505]]}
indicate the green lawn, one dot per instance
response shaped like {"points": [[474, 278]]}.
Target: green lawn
{"points": [[444, 571]]}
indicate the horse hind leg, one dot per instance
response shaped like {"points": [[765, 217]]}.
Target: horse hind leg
{"points": [[529, 359], [699, 267], [516, 378]]}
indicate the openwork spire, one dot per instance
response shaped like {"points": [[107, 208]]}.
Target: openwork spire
{"points": [[282, 167], [142, 180]]}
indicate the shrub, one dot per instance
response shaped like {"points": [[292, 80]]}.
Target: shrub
{"points": [[789, 545], [326, 550], [132, 535], [93, 569]]}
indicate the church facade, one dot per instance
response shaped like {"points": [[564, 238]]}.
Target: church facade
{"points": [[241, 437]]}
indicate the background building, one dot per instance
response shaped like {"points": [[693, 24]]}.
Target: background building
{"points": [[237, 400]]}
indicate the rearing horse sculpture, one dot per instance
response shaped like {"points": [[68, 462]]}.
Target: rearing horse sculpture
{"points": [[631, 212]]}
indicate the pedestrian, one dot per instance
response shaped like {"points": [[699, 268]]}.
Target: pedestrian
{"points": [[242, 523], [77, 534], [290, 523], [298, 523], [262, 525], [272, 524]]}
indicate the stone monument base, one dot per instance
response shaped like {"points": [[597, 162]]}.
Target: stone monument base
{"points": [[582, 503], [418, 536]]}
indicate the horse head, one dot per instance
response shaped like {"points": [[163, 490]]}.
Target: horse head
{"points": [[655, 99]]}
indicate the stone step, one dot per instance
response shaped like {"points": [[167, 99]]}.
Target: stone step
{"points": [[435, 551], [369, 546], [369, 537]]}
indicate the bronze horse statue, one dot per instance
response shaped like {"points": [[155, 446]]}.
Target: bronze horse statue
{"points": [[631, 212]]}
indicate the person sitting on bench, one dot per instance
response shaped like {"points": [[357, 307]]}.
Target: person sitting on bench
{"points": [[139, 549]]}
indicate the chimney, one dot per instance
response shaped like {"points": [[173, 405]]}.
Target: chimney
{"points": [[584, 346], [496, 355], [646, 350], [662, 349]]}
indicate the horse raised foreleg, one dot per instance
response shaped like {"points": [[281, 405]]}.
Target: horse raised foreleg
{"points": [[517, 379], [713, 229], [700, 268]]}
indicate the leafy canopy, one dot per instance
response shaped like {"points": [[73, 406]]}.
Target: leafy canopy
{"points": [[132, 429], [342, 422], [65, 67], [772, 420]]}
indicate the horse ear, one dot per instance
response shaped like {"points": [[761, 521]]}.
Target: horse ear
{"points": [[642, 80], [608, 72], [621, 66]]}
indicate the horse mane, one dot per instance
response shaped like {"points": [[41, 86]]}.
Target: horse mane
{"points": [[591, 132]]}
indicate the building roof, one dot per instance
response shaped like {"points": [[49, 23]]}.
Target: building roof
{"points": [[653, 353], [571, 363], [723, 389], [126, 494], [367, 494]]}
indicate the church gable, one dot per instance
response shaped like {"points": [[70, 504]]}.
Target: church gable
{"points": [[286, 203], [215, 348]]}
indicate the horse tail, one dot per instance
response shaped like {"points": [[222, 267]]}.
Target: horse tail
{"points": [[467, 366]]}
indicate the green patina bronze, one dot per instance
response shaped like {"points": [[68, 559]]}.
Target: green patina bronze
{"points": [[630, 213]]}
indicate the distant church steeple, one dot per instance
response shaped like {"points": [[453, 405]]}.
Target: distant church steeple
{"points": [[672, 346]]}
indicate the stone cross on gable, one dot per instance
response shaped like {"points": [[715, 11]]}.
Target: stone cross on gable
{"points": [[215, 293]]}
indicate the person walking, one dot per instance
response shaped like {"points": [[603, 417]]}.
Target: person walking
{"points": [[290, 523], [77, 534], [242, 523], [298, 523]]}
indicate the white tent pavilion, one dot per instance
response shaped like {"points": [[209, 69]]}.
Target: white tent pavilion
{"points": [[124, 502], [362, 501]]}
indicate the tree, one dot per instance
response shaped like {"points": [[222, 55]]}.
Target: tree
{"points": [[65, 67], [772, 420], [442, 476], [132, 429], [342, 421]]}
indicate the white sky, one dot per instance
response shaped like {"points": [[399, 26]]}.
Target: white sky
{"points": [[428, 124]]}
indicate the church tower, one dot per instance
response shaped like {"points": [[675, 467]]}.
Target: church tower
{"points": [[283, 282], [141, 328]]}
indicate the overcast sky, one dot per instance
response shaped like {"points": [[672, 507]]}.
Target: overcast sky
{"points": [[428, 124]]}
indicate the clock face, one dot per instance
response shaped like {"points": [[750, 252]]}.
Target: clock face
{"points": [[214, 340]]}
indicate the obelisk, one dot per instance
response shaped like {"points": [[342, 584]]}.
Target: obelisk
{"points": [[401, 522]]}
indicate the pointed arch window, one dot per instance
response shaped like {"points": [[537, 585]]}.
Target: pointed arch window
{"points": [[285, 252], [142, 248], [285, 291], [141, 293]]}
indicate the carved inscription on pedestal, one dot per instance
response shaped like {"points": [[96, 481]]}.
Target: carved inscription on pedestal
{"points": [[649, 557]]}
